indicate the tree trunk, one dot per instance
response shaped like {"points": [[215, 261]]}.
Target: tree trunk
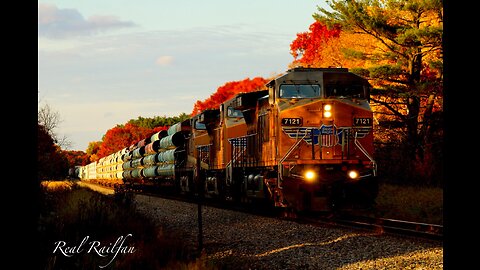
{"points": [[426, 123], [413, 105]]}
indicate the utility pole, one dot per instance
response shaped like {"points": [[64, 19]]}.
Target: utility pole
{"points": [[199, 177]]}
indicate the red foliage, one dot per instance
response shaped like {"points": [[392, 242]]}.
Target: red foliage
{"points": [[76, 158], [227, 91], [308, 45]]}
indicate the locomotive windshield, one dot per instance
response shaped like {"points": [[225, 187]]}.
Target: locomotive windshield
{"points": [[299, 90], [344, 91]]}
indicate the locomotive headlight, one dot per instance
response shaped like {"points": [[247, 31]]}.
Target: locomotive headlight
{"points": [[353, 174], [310, 176], [327, 110]]}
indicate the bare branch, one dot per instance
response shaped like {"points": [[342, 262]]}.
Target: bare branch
{"points": [[388, 106]]}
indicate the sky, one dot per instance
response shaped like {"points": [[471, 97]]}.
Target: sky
{"points": [[102, 63]]}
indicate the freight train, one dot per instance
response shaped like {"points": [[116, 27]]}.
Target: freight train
{"points": [[304, 143]]}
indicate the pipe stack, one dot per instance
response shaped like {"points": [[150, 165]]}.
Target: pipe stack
{"points": [[155, 156]]}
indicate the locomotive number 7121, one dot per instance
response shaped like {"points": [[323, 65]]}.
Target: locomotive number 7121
{"points": [[291, 121], [362, 121]]}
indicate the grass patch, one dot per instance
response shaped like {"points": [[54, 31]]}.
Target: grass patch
{"points": [[419, 204], [69, 214]]}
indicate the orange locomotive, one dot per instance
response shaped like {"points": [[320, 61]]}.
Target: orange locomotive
{"points": [[305, 143]]}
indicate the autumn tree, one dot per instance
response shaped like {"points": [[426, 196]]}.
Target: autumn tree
{"points": [[92, 150], [408, 75], [324, 47], [227, 91], [308, 47], [76, 158]]}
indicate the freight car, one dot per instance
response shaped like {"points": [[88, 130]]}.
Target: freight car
{"points": [[305, 142]]}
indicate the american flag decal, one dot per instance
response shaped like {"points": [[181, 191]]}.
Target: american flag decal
{"points": [[329, 135]]}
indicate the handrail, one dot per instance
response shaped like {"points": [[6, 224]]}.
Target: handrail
{"points": [[362, 149], [280, 171]]}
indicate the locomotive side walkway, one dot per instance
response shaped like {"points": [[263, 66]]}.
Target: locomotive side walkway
{"points": [[238, 240]]}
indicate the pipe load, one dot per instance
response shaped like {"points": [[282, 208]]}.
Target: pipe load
{"points": [[166, 170], [136, 173], [167, 156], [150, 160], [127, 156], [127, 165], [126, 175], [101, 160], [139, 152], [152, 147], [174, 128], [150, 172], [136, 162], [123, 151], [140, 143], [174, 140], [159, 135], [131, 147], [143, 142]]}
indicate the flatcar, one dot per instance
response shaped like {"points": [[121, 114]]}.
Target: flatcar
{"points": [[304, 142]]}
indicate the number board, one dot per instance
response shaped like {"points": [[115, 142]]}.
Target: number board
{"points": [[292, 121], [362, 121]]}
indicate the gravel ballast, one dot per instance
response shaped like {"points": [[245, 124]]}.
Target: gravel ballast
{"points": [[237, 240]]}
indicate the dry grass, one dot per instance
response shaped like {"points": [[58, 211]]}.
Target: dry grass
{"points": [[419, 204], [69, 213], [52, 186]]}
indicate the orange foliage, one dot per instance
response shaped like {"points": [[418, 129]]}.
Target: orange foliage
{"points": [[227, 91], [321, 47]]}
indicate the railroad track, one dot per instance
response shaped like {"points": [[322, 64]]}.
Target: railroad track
{"points": [[381, 225], [395, 226]]}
